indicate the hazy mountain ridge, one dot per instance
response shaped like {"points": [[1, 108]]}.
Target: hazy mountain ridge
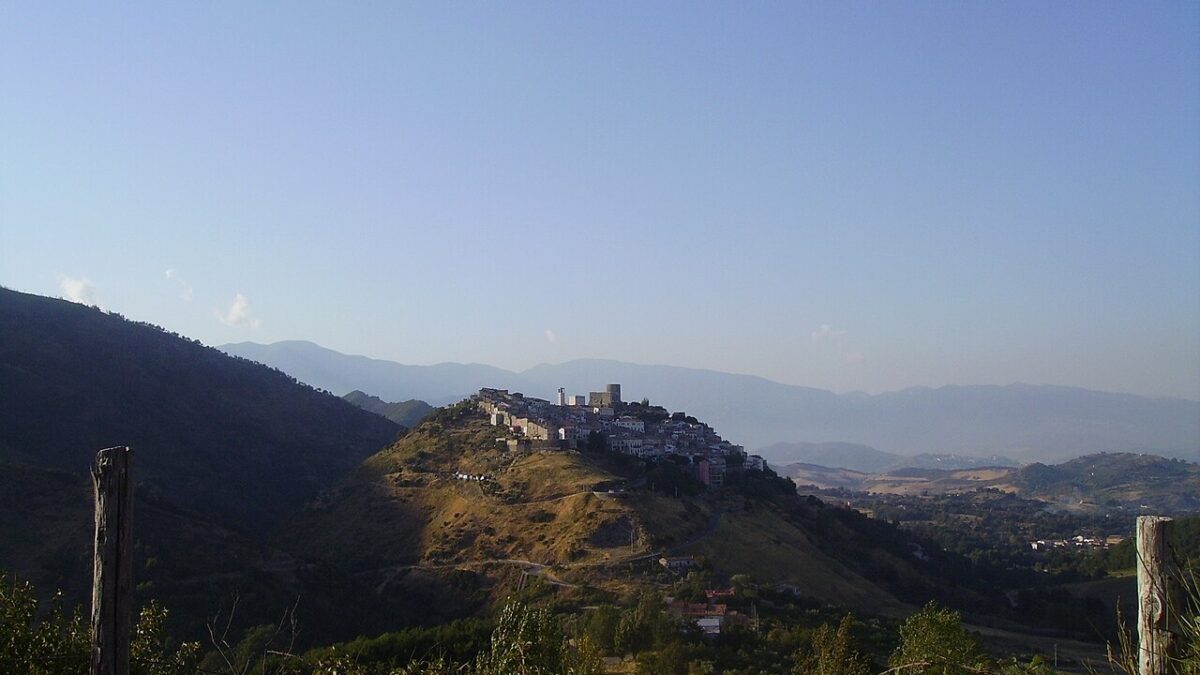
{"points": [[866, 459], [851, 456], [1019, 421], [341, 373]]}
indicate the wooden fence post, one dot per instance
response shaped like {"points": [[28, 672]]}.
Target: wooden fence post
{"points": [[1154, 569], [112, 564]]}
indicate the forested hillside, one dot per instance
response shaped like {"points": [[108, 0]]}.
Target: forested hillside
{"points": [[227, 438], [224, 449], [405, 413]]}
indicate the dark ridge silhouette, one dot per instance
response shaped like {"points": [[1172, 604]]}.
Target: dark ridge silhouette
{"points": [[237, 442], [405, 413]]}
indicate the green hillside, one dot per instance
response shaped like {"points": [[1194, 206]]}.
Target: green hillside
{"points": [[1166, 485], [237, 442], [224, 450]]}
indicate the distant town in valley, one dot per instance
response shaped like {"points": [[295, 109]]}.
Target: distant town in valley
{"points": [[603, 420]]}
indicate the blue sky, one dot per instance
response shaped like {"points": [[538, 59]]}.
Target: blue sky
{"points": [[842, 195]]}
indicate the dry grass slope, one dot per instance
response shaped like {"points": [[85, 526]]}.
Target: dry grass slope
{"points": [[406, 510]]}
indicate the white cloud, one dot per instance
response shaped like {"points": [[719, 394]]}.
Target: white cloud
{"points": [[854, 358], [78, 290], [551, 337], [239, 313], [826, 333], [185, 289]]}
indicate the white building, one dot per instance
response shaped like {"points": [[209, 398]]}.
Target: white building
{"points": [[631, 423]]}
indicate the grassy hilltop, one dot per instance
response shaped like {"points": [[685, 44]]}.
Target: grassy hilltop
{"points": [[407, 512]]}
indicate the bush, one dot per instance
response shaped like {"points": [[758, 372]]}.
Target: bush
{"points": [[59, 643], [934, 642]]}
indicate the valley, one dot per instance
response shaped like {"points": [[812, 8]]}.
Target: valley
{"points": [[259, 497], [1105, 483], [600, 338]]}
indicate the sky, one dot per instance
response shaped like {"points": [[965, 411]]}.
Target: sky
{"points": [[845, 195]]}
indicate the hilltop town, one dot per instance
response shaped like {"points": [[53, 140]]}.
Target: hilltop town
{"points": [[603, 421]]}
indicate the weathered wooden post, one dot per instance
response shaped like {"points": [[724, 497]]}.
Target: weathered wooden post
{"points": [[1155, 566], [112, 564]]}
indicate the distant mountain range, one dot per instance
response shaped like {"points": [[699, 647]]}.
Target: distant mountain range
{"points": [[1018, 421], [869, 460]]}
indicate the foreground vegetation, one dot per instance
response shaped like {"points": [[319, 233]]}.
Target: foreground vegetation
{"points": [[525, 639]]}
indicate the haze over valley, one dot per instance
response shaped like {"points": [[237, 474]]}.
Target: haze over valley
{"points": [[1016, 422]]}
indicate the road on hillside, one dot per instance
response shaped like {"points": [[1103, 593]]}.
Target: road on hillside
{"points": [[713, 522]]}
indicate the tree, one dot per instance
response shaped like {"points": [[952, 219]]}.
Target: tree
{"points": [[832, 652], [934, 642], [529, 641], [600, 627]]}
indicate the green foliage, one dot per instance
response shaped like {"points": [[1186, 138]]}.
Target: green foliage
{"points": [[691, 588], [1189, 624], [670, 478], [59, 643], [597, 441], [671, 659], [832, 652], [526, 641], [55, 644], [261, 650], [450, 415], [934, 642], [645, 627], [152, 652], [600, 628], [458, 641]]}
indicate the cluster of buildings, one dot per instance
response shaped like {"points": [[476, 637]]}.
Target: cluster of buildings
{"points": [[710, 617], [602, 417], [1078, 541]]}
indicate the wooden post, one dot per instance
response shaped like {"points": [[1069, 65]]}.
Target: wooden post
{"points": [[112, 564], [1154, 570]]}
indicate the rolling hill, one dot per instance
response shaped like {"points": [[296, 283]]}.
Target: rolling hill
{"points": [[228, 438], [1023, 422], [445, 504], [850, 456], [405, 413], [1128, 481], [225, 450]]}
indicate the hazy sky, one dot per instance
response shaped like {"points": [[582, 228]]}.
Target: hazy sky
{"points": [[841, 195]]}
